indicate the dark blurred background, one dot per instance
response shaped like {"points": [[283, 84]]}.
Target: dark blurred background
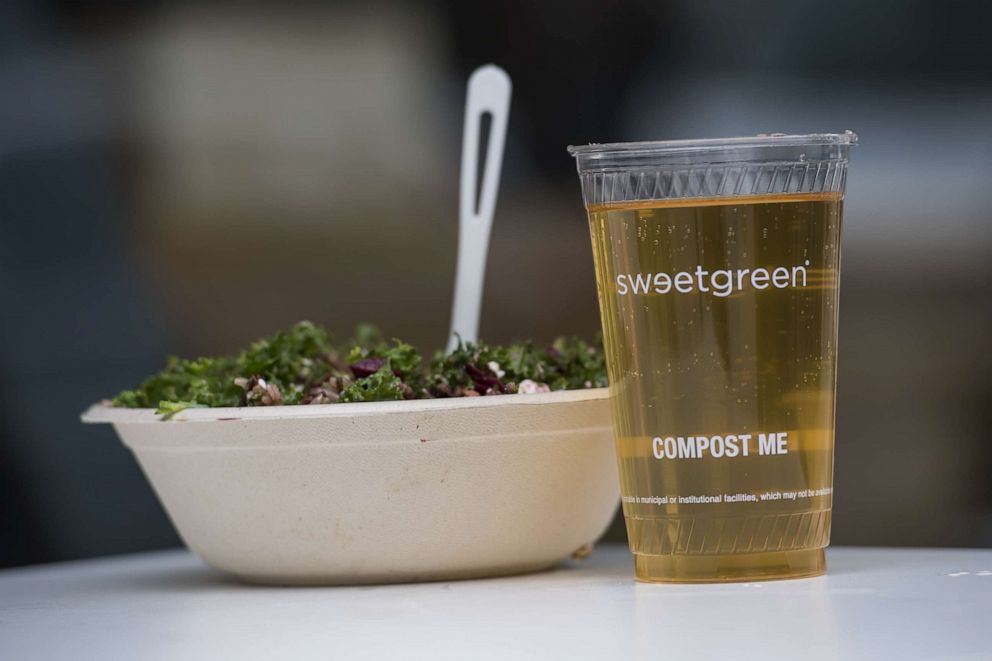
{"points": [[186, 177]]}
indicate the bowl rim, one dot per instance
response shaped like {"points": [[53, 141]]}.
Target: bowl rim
{"points": [[103, 412]]}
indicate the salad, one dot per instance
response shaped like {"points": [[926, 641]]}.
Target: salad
{"points": [[304, 365]]}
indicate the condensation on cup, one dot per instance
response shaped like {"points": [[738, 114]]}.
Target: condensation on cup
{"points": [[717, 266]]}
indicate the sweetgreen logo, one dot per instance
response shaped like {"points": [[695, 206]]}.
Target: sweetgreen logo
{"points": [[722, 282]]}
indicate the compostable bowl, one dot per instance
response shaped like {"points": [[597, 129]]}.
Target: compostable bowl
{"points": [[382, 491]]}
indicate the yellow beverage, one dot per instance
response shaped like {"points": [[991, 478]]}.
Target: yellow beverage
{"points": [[720, 325]]}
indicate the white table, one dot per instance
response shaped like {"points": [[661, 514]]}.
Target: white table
{"points": [[874, 604]]}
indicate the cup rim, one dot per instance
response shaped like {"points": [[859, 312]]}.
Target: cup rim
{"points": [[596, 150]]}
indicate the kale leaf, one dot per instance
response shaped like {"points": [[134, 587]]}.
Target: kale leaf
{"points": [[381, 386], [204, 381]]}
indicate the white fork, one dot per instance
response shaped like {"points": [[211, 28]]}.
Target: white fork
{"points": [[488, 92]]}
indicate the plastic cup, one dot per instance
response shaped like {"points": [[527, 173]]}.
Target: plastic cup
{"points": [[717, 264]]}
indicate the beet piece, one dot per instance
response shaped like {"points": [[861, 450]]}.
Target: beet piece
{"points": [[366, 367], [485, 380]]}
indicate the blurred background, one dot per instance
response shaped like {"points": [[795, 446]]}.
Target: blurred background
{"points": [[186, 177]]}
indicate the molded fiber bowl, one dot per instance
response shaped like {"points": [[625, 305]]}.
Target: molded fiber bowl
{"points": [[383, 491]]}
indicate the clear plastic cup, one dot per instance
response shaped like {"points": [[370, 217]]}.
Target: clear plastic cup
{"points": [[718, 263]]}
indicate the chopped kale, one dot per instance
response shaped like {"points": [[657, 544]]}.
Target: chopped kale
{"points": [[169, 409], [577, 364], [304, 366], [378, 387], [299, 355], [401, 357], [205, 381]]}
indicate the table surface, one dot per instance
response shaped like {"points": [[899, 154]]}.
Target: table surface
{"points": [[874, 604]]}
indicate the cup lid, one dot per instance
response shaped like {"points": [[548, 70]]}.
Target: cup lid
{"points": [[659, 147], [775, 164]]}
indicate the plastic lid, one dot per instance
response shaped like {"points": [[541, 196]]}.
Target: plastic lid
{"points": [[772, 164], [771, 148], [847, 138]]}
